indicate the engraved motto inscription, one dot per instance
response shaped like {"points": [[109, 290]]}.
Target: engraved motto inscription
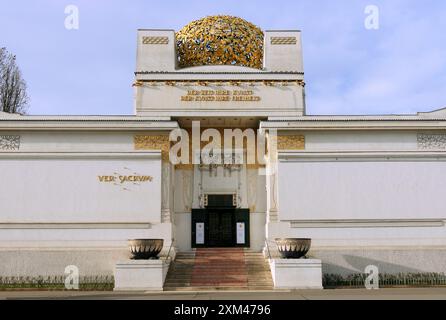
{"points": [[220, 95]]}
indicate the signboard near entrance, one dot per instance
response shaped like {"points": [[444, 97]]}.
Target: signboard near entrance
{"points": [[240, 233], [199, 233]]}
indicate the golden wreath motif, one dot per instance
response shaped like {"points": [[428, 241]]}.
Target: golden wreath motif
{"points": [[220, 40]]}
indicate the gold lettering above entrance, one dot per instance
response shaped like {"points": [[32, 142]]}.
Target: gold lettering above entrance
{"points": [[220, 95]]}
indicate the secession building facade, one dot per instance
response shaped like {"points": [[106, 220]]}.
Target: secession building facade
{"points": [[365, 189]]}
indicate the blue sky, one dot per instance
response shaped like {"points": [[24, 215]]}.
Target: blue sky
{"points": [[399, 68]]}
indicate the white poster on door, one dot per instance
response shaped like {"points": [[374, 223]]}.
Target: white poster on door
{"points": [[240, 233], [199, 233]]}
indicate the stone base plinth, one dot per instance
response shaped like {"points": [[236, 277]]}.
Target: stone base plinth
{"points": [[296, 273], [140, 275]]}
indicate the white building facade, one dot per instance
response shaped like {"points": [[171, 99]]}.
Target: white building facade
{"points": [[368, 190]]}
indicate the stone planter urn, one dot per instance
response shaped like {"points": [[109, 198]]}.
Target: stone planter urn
{"points": [[293, 248], [144, 249]]}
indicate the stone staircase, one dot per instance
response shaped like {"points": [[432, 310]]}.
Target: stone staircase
{"points": [[219, 269]]}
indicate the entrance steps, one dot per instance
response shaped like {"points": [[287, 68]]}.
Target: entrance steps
{"points": [[219, 269]]}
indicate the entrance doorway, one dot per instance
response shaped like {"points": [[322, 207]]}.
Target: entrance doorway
{"points": [[221, 227], [220, 224]]}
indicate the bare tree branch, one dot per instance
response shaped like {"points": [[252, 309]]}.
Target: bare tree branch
{"points": [[13, 96]]}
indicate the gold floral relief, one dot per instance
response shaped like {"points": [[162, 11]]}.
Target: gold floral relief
{"points": [[156, 142], [291, 142]]}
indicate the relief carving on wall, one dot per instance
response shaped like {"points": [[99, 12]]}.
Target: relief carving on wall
{"points": [[283, 40], [155, 40], [431, 141], [291, 142], [158, 142], [9, 143]]}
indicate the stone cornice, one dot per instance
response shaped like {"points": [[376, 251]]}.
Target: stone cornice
{"points": [[378, 155], [75, 225], [401, 223], [219, 72], [362, 124], [85, 124], [156, 155]]}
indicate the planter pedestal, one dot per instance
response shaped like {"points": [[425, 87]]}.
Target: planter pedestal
{"points": [[140, 275], [296, 273]]}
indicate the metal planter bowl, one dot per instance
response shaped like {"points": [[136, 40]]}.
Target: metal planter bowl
{"points": [[293, 248], [144, 249]]}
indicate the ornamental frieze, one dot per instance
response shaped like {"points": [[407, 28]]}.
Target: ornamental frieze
{"points": [[155, 40], [283, 40], [9, 142], [291, 142], [219, 83], [431, 141], [156, 142]]}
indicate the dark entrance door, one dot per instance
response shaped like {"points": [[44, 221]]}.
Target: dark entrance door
{"points": [[221, 227], [220, 224]]}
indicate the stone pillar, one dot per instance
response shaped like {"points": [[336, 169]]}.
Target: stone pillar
{"points": [[252, 175], [278, 144], [160, 143], [271, 181], [272, 196], [167, 192], [197, 193], [242, 187]]}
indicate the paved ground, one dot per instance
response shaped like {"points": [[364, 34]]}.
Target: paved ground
{"points": [[344, 294]]}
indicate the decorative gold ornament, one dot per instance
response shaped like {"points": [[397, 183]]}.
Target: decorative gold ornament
{"points": [[138, 83], [219, 83], [144, 142], [155, 40], [301, 83], [283, 40], [220, 40], [182, 166], [291, 142]]}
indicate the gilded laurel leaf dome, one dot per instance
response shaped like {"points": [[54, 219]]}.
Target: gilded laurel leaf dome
{"points": [[220, 40]]}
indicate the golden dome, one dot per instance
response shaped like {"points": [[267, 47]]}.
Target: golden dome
{"points": [[220, 40]]}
